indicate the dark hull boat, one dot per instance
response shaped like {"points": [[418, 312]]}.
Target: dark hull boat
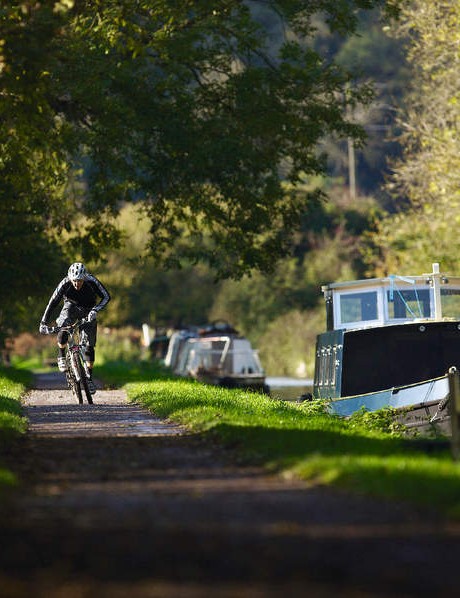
{"points": [[390, 343]]}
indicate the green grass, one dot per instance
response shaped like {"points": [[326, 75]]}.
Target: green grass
{"points": [[367, 454], [13, 383], [34, 363], [117, 373]]}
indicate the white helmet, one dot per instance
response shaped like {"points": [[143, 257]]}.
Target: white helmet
{"points": [[77, 271]]}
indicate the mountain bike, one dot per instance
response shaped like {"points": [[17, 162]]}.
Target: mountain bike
{"points": [[77, 373]]}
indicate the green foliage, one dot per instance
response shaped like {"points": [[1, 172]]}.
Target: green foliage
{"points": [[118, 344], [153, 106], [383, 420], [13, 383], [151, 102], [371, 54], [277, 312], [425, 180], [173, 298], [287, 346], [316, 407], [143, 293], [119, 373], [12, 424], [32, 166], [407, 243], [282, 313]]}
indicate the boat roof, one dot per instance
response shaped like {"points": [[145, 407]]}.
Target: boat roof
{"points": [[221, 337], [393, 299], [424, 279]]}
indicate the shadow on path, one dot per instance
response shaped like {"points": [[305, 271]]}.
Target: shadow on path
{"points": [[133, 504]]}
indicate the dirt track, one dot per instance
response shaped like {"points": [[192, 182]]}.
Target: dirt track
{"points": [[117, 502]]}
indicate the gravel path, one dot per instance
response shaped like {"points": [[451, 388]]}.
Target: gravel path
{"points": [[115, 502]]}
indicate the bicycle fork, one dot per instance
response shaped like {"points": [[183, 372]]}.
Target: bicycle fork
{"points": [[74, 362]]}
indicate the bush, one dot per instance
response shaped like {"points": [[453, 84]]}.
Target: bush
{"points": [[113, 344], [288, 346], [118, 344], [29, 346], [382, 420]]}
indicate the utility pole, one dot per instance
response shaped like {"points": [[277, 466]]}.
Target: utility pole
{"points": [[351, 169], [351, 152]]}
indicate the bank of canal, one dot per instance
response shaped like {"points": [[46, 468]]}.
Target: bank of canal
{"points": [[288, 389]]}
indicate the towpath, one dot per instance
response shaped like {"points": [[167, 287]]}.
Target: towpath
{"points": [[116, 502]]}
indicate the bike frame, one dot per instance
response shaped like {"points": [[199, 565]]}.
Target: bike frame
{"points": [[75, 350], [77, 371]]}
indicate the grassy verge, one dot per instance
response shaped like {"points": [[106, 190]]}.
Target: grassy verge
{"points": [[118, 373], [13, 383], [364, 454]]}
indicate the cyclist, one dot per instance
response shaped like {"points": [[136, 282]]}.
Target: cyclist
{"points": [[84, 296]]}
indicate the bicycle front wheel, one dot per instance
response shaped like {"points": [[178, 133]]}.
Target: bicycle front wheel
{"points": [[84, 382], [72, 382]]}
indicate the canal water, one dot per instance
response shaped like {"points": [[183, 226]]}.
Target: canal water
{"points": [[288, 389]]}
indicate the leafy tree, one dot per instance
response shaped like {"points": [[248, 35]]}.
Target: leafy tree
{"points": [[31, 263], [142, 293], [287, 346], [373, 54], [426, 180], [179, 105], [183, 107], [370, 55], [327, 248], [32, 169]]}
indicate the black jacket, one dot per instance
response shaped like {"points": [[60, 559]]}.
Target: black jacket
{"points": [[92, 295]]}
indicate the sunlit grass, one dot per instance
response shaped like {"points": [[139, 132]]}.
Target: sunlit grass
{"points": [[303, 440], [119, 372], [13, 383], [34, 363]]}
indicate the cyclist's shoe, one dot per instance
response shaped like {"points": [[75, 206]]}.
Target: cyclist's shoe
{"points": [[61, 364], [91, 386]]}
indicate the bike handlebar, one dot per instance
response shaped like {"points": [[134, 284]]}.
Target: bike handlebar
{"points": [[56, 329]]}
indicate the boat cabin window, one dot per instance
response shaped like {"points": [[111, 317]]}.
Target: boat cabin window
{"points": [[450, 300], [357, 307], [407, 304], [391, 300]]}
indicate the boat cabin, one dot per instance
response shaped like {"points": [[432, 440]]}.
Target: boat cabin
{"points": [[220, 354], [387, 332]]}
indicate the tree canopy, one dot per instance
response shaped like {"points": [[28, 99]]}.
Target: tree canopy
{"points": [[180, 105], [201, 112], [426, 179]]}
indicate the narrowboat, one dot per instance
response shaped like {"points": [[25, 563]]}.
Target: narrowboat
{"points": [[389, 343], [216, 354]]}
